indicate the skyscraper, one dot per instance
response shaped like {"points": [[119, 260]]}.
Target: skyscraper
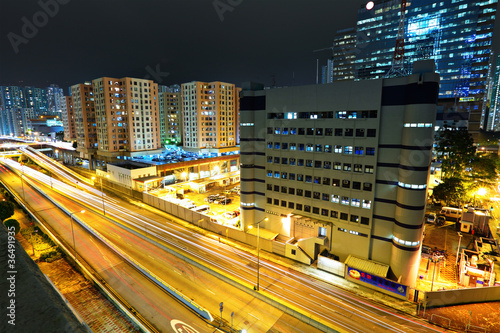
{"points": [[494, 115], [344, 54], [456, 34], [54, 95], [327, 72], [20, 104], [210, 115]]}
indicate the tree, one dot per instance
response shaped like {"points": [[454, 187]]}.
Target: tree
{"points": [[455, 149], [451, 191], [13, 223], [6, 210], [60, 136], [483, 168]]}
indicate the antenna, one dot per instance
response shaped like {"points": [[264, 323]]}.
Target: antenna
{"points": [[398, 68], [317, 61]]}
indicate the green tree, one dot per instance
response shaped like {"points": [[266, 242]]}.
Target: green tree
{"points": [[6, 210], [13, 223], [483, 168], [451, 191], [60, 136], [455, 148]]}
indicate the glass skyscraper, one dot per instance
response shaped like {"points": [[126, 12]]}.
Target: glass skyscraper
{"points": [[494, 115], [457, 34]]}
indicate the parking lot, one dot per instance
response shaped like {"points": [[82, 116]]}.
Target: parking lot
{"points": [[212, 198]]}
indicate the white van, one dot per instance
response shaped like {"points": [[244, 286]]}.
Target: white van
{"points": [[451, 213]]}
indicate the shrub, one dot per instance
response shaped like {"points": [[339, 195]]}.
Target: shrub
{"points": [[13, 223]]}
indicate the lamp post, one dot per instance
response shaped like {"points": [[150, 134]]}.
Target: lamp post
{"points": [[458, 248], [102, 195], [258, 248], [72, 231], [22, 181]]}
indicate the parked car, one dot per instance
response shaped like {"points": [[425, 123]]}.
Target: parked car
{"points": [[202, 208], [431, 218], [229, 215], [223, 201]]}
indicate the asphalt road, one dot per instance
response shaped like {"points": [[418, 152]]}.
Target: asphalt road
{"points": [[315, 298]]}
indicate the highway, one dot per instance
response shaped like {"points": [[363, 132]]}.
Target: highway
{"points": [[152, 303], [146, 237]]}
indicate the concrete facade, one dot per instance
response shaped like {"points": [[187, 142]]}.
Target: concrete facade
{"points": [[210, 114], [342, 166]]}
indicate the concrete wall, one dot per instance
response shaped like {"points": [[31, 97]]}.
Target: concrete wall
{"points": [[462, 296], [203, 221], [332, 266]]}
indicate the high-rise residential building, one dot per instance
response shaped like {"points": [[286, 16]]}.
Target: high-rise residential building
{"points": [[85, 119], [127, 116], [494, 104], [12, 103], [342, 167], [36, 99], [20, 104], [344, 55], [456, 34], [68, 118], [54, 95], [210, 115], [170, 104]]}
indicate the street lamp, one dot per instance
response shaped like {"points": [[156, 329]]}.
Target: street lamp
{"points": [[102, 194], [72, 231], [458, 248], [258, 247], [22, 181], [481, 191]]}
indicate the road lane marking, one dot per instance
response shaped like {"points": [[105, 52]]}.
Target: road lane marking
{"points": [[253, 316], [210, 291], [177, 272]]}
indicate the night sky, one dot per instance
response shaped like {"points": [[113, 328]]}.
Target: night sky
{"points": [[188, 39]]}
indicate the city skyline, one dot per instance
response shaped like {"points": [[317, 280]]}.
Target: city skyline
{"points": [[164, 48]]}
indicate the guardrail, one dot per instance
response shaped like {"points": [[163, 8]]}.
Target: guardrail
{"points": [[162, 284], [113, 296]]}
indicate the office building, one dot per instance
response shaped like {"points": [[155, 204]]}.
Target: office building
{"points": [[327, 72], [344, 55], [210, 116], [494, 103], [456, 34], [342, 167]]}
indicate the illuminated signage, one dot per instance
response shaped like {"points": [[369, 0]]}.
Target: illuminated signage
{"points": [[377, 281]]}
